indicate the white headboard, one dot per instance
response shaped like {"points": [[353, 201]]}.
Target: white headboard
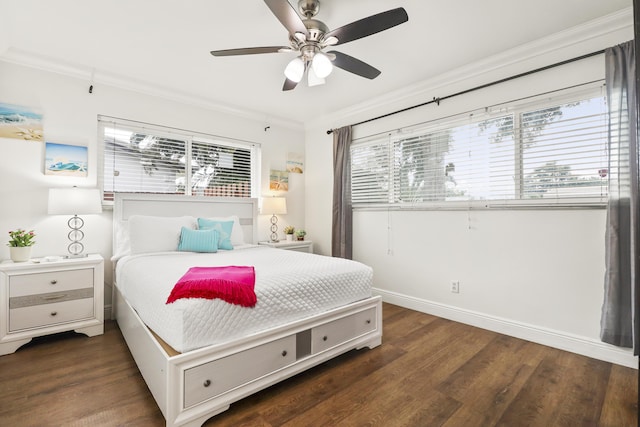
{"points": [[127, 204]]}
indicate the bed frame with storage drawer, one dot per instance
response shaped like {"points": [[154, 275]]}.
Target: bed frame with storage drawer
{"points": [[192, 387]]}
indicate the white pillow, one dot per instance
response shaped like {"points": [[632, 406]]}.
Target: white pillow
{"points": [[123, 247], [237, 234], [157, 233]]}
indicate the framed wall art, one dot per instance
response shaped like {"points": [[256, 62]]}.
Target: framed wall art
{"points": [[295, 162], [66, 160], [278, 180], [20, 123]]}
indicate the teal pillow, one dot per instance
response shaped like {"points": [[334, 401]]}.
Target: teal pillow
{"points": [[198, 240], [224, 229]]}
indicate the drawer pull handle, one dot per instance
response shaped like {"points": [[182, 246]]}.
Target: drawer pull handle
{"points": [[284, 353], [368, 321], [54, 313], [207, 383], [54, 297], [54, 281], [324, 338]]}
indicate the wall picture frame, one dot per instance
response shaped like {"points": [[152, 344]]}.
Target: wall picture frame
{"points": [[66, 160], [278, 180], [295, 162], [20, 122]]}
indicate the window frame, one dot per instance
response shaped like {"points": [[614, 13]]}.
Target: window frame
{"points": [[517, 108], [189, 137]]}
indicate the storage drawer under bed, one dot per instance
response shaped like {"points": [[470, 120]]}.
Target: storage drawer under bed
{"points": [[222, 375], [330, 334]]}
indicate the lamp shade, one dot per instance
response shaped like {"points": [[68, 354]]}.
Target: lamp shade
{"points": [[274, 205], [321, 65], [74, 201], [295, 70]]}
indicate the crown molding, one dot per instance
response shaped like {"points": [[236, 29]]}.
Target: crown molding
{"points": [[495, 64], [27, 59]]}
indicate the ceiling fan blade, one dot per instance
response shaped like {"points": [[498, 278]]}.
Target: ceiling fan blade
{"points": [[250, 50], [368, 26], [289, 85], [287, 15], [353, 65]]}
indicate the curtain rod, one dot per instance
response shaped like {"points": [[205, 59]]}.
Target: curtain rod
{"points": [[506, 79]]}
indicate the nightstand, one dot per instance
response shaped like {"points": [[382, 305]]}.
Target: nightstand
{"points": [[295, 245], [42, 298]]}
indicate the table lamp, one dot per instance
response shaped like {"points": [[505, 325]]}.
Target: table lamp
{"points": [[75, 201], [274, 206]]}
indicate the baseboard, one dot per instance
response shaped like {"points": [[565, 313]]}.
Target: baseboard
{"points": [[107, 312], [552, 338]]}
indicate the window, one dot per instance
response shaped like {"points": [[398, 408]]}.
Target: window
{"points": [[140, 158], [548, 151]]}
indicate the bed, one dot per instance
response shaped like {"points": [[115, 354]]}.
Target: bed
{"points": [[198, 356]]}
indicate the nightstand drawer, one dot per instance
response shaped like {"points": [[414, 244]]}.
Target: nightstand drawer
{"points": [[54, 281], [50, 298], [50, 314]]}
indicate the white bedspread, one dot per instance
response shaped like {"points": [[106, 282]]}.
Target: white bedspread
{"points": [[289, 286]]}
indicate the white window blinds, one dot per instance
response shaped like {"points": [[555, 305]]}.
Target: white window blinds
{"points": [[546, 152], [150, 159], [370, 172]]}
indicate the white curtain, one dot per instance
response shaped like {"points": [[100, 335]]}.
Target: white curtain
{"points": [[620, 311]]}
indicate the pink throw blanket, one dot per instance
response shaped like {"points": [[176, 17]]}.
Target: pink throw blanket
{"points": [[233, 284]]}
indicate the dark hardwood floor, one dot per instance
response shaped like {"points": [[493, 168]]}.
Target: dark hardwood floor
{"points": [[428, 372]]}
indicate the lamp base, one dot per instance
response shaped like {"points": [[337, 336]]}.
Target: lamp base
{"points": [[274, 229], [75, 248]]}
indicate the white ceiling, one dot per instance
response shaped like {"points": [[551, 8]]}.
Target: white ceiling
{"points": [[165, 44]]}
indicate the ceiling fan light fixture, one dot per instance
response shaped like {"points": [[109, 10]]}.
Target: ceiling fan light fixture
{"points": [[309, 37], [330, 41], [295, 70], [321, 65], [313, 79]]}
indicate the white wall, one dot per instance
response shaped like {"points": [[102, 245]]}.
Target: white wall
{"points": [[536, 274], [70, 116]]}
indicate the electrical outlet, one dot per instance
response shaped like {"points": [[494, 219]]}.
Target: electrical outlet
{"points": [[455, 286]]}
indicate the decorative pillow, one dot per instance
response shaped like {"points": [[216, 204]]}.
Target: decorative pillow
{"points": [[156, 233], [224, 228], [237, 234], [198, 240]]}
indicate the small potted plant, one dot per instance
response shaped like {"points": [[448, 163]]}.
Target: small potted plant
{"points": [[20, 243], [300, 234], [288, 231]]}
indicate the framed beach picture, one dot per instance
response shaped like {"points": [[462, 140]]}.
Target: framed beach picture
{"points": [[20, 123], [278, 180], [295, 162], [65, 160]]}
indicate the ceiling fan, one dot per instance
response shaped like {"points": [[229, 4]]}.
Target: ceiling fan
{"points": [[309, 37]]}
